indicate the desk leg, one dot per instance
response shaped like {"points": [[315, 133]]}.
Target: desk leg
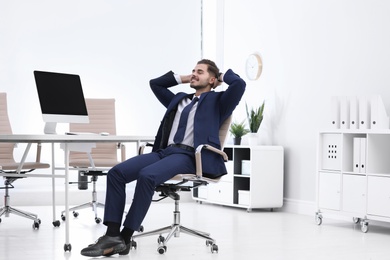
{"points": [[67, 246], [56, 223]]}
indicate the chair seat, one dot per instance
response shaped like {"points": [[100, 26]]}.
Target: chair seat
{"points": [[27, 165], [85, 163], [192, 177]]}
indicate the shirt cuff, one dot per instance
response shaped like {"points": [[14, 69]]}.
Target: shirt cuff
{"points": [[178, 79]]}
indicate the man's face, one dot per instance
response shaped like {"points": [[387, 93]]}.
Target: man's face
{"points": [[201, 78]]}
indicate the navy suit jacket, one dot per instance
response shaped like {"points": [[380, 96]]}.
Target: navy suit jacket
{"points": [[212, 110]]}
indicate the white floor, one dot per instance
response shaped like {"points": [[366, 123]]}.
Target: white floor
{"points": [[239, 235]]}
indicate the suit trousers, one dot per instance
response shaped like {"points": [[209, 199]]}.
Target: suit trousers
{"points": [[149, 170]]}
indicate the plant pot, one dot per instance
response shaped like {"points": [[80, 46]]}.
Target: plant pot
{"points": [[237, 140], [253, 139]]}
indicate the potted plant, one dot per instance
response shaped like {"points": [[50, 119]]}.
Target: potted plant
{"points": [[238, 130], [255, 117]]}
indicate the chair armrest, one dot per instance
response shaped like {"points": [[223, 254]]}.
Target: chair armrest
{"points": [[141, 149], [123, 151], [38, 155], [198, 157]]}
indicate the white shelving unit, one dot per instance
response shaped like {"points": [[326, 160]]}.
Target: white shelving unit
{"points": [[260, 187], [353, 175]]}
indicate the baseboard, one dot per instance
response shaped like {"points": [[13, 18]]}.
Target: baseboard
{"points": [[299, 207]]}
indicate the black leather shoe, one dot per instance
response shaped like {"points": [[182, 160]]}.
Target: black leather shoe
{"points": [[105, 246], [126, 250]]}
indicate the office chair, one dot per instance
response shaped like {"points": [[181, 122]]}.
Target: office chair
{"points": [[185, 182], [14, 170], [101, 113]]}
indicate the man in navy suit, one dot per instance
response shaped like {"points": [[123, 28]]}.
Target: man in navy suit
{"points": [[173, 150]]}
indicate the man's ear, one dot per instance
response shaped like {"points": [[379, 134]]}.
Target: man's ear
{"points": [[213, 82]]}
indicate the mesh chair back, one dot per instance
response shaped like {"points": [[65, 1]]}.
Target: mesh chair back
{"points": [[6, 149], [223, 130], [101, 113]]}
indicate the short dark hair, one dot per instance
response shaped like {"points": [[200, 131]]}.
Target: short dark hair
{"points": [[211, 66]]}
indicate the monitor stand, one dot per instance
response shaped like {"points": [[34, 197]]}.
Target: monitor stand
{"points": [[50, 128]]}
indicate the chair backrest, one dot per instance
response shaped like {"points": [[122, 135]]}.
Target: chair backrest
{"points": [[6, 149], [101, 113], [223, 130]]}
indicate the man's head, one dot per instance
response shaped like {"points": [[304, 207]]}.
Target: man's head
{"points": [[204, 76]]}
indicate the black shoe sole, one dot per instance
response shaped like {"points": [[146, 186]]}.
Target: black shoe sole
{"points": [[126, 250], [105, 252]]}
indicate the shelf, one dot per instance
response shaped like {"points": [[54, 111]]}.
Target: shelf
{"points": [[263, 184]]}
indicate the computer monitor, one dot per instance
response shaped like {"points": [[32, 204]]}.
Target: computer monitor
{"points": [[61, 98]]}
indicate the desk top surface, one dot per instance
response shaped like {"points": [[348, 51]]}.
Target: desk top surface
{"points": [[83, 138]]}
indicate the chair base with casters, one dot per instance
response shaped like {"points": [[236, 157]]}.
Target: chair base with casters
{"points": [[94, 204], [174, 230], [7, 209]]}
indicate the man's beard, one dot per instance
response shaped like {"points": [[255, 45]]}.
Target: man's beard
{"points": [[197, 87]]}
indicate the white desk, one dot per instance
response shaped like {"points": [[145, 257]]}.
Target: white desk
{"points": [[65, 140]]}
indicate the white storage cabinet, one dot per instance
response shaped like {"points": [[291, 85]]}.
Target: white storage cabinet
{"points": [[260, 186], [353, 175]]}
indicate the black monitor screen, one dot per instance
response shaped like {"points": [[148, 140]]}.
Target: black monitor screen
{"points": [[60, 93]]}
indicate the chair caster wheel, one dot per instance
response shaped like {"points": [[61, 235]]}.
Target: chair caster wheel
{"points": [[56, 223], [141, 229], [160, 239], [36, 224], [214, 248], [63, 217], [67, 247], [133, 244], [75, 214], [161, 250], [98, 220]]}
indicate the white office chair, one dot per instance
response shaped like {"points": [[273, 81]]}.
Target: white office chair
{"points": [[181, 183], [101, 113], [13, 169]]}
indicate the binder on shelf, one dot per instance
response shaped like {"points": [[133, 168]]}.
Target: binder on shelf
{"points": [[379, 118], [344, 112], [359, 155], [356, 154], [363, 155], [335, 113], [364, 113], [353, 112]]}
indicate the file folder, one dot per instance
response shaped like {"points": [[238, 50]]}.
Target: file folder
{"points": [[379, 118], [356, 155], [364, 113], [344, 112], [335, 113], [353, 113], [359, 155], [363, 155]]}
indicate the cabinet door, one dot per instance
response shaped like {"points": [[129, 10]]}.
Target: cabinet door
{"points": [[329, 190], [378, 196], [220, 192], [354, 193]]}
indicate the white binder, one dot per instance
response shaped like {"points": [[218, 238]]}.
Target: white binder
{"points": [[379, 118], [344, 112], [363, 155], [359, 155], [364, 113], [335, 113], [356, 154], [353, 112]]}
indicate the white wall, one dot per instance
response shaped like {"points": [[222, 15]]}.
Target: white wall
{"points": [[115, 46], [312, 50]]}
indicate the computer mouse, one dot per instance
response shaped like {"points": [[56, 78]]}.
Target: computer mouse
{"points": [[104, 133]]}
